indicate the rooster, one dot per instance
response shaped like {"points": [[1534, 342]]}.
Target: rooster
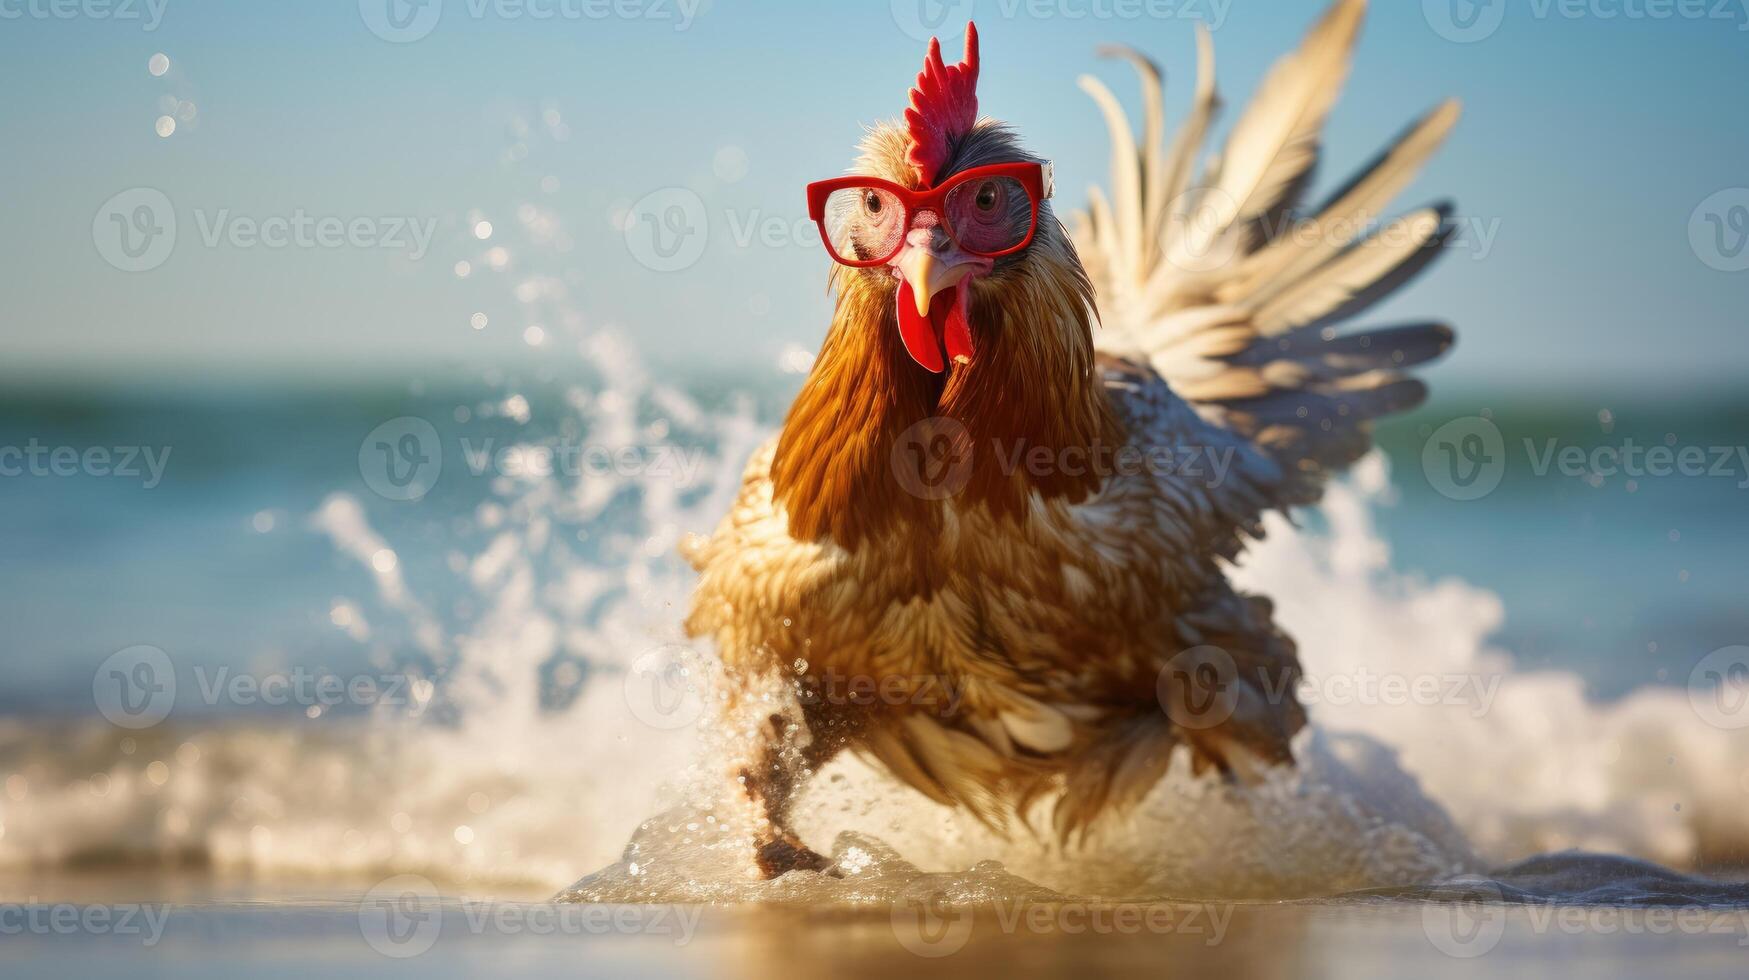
{"points": [[989, 548]]}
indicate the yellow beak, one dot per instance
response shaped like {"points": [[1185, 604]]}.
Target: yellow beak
{"points": [[929, 273]]}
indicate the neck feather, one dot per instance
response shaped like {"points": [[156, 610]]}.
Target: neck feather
{"points": [[1032, 384]]}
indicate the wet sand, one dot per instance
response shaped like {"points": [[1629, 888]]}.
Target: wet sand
{"points": [[77, 925]]}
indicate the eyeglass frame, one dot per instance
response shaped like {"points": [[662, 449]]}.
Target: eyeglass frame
{"points": [[1036, 179]]}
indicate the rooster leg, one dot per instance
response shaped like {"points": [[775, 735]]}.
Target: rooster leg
{"points": [[771, 783]]}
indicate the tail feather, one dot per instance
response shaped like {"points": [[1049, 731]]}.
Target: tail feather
{"points": [[1245, 323]]}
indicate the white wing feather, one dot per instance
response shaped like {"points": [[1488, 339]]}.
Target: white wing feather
{"points": [[1196, 277]]}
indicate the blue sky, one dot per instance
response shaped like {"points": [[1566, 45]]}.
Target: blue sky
{"points": [[1592, 133]]}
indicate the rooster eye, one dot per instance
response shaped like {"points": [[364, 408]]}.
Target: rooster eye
{"points": [[871, 202], [987, 196]]}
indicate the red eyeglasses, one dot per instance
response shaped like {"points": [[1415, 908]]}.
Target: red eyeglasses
{"points": [[987, 211]]}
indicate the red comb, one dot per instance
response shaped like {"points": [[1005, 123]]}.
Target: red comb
{"points": [[944, 107]]}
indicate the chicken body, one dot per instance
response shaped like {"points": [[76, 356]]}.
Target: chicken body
{"points": [[1006, 582], [1004, 656]]}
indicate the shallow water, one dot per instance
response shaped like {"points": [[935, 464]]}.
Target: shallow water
{"points": [[221, 929]]}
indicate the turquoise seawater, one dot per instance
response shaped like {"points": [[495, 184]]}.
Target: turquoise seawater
{"points": [[193, 534]]}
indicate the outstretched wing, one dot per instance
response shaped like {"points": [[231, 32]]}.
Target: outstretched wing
{"points": [[1235, 291]]}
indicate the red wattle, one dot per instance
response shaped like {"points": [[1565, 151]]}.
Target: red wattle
{"points": [[918, 332], [956, 332]]}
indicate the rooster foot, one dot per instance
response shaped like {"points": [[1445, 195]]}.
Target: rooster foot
{"points": [[784, 853]]}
